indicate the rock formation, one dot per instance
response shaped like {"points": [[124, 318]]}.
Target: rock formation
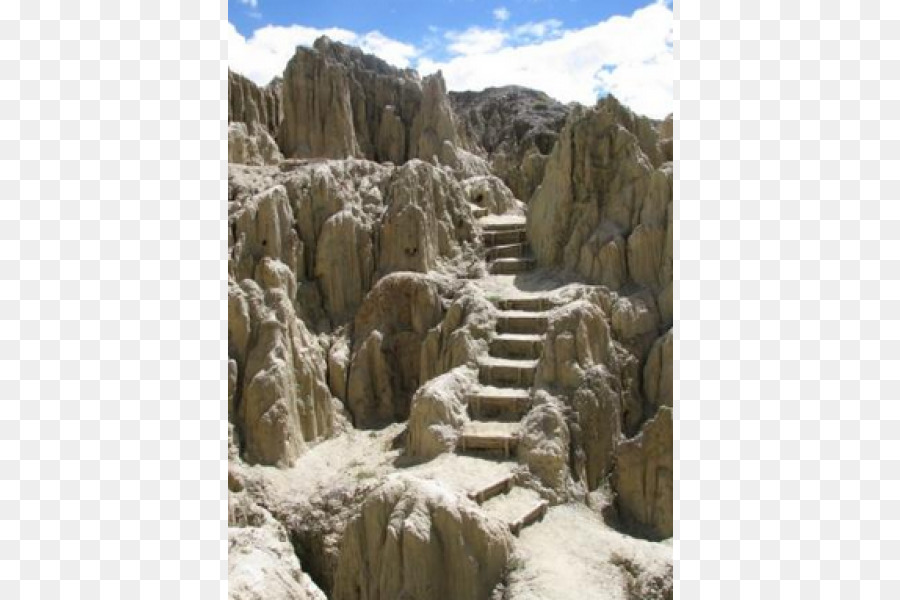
{"points": [[643, 477], [254, 115], [387, 332], [262, 564], [515, 128], [340, 103], [414, 539], [604, 208]]}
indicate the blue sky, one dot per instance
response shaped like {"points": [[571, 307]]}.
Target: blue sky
{"points": [[575, 50]]}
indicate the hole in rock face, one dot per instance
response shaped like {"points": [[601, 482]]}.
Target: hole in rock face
{"points": [[412, 251], [479, 199], [264, 242]]}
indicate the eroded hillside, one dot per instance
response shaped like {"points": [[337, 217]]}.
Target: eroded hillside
{"points": [[436, 381]]}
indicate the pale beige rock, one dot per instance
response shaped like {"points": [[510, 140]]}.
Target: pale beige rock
{"points": [[491, 193], [261, 561], [603, 209], [598, 404], [643, 477], [253, 116], [416, 540], [461, 337], [544, 445], [427, 218], [285, 401], [434, 122], [438, 413], [577, 338], [335, 101], [658, 372], [263, 227], [388, 331], [251, 145], [249, 103], [666, 138]]}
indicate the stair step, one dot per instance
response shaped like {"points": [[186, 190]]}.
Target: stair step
{"points": [[506, 224], [479, 212], [505, 372], [517, 345], [501, 486], [533, 304], [489, 436], [508, 266], [520, 321], [507, 251], [505, 404], [535, 514], [501, 238]]}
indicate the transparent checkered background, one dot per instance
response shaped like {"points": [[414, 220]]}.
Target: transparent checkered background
{"points": [[113, 321]]}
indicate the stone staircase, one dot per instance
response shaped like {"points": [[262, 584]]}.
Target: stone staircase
{"points": [[506, 246], [506, 376]]}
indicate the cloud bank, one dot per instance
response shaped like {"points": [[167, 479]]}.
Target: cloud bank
{"points": [[630, 57]]}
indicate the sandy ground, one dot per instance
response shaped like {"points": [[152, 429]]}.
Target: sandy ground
{"points": [[567, 556]]}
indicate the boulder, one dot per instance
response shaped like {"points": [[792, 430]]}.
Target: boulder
{"points": [[438, 413]]}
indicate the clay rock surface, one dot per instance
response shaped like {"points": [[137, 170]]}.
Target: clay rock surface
{"points": [[515, 128], [279, 398], [643, 477], [414, 539], [462, 336], [658, 373], [604, 208], [283, 401], [254, 114], [577, 338], [342, 225], [438, 413], [339, 102], [261, 561], [544, 445], [388, 333]]}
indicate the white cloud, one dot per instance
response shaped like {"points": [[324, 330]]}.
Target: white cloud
{"points": [[538, 30], [475, 40], [250, 3], [265, 54], [501, 13], [631, 57]]}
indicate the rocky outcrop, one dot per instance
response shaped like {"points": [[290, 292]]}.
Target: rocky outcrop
{"points": [[604, 208], [414, 539], [261, 561], [658, 373], [280, 398], [438, 413], [254, 114], [515, 128], [577, 338], [251, 104], [643, 478], [461, 337], [388, 331], [339, 102], [544, 444]]}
